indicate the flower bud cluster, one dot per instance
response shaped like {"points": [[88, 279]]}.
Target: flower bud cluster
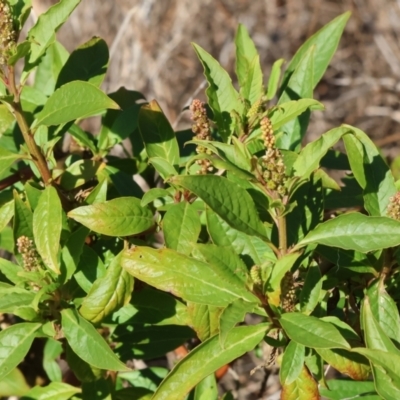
{"points": [[255, 108], [393, 209], [288, 293], [273, 168], [255, 273], [201, 128], [8, 35], [29, 254]]}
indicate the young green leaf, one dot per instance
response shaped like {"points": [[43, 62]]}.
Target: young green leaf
{"points": [[53, 391], [157, 134], [42, 35], [15, 343], [14, 384], [274, 78], [232, 203], [183, 276], [204, 319], [7, 158], [371, 171], [74, 100], [6, 213], [108, 293], [52, 350], [384, 309], [87, 343], [312, 332], [122, 216], [311, 155], [222, 96], [181, 226], [325, 41], [47, 226], [207, 389], [232, 315], [300, 86], [207, 358], [292, 363], [87, 63], [355, 231]]}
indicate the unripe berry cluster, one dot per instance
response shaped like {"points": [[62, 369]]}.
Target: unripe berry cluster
{"points": [[288, 293], [273, 168], [201, 128], [8, 35], [393, 210]]}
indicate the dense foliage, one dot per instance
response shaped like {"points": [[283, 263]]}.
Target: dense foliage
{"points": [[233, 218]]}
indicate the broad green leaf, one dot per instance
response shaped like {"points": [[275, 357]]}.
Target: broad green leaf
{"points": [[52, 350], [232, 203], [6, 119], [384, 310], [244, 245], [74, 100], [47, 225], [303, 388], [181, 226], [311, 155], [388, 362], [118, 125], [90, 268], [11, 302], [157, 134], [6, 213], [149, 341], [207, 358], [71, 252], [311, 292], [50, 65], [15, 344], [42, 35], [232, 315], [312, 332], [300, 86], [20, 10], [10, 271], [286, 112], [154, 194], [204, 319], [183, 276], [371, 171], [273, 285], [355, 231], [222, 96], [83, 138], [53, 391], [33, 192], [108, 293], [325, 41], [292, 363], [122, 216], [274, 78], [253, 87], [99, 193], [87, 343], [148, 378], [87, 63], [163, 167], [347, 389], [245, 53], [351, 364], [222, 259], [13, 384], [7, 158], [207, 389], [78, 173], [151, 306]]}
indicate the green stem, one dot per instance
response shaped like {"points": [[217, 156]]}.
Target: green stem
{"points": [[34, 150], [282, 234]]}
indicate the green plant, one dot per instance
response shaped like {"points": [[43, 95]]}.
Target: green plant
{"points": [[251, 223]]}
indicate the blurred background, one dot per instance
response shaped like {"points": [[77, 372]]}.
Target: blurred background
{"points": [[150, 45]]}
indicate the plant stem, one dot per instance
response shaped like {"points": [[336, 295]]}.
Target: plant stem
{"points": [[34, 150], [282, 234]]}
